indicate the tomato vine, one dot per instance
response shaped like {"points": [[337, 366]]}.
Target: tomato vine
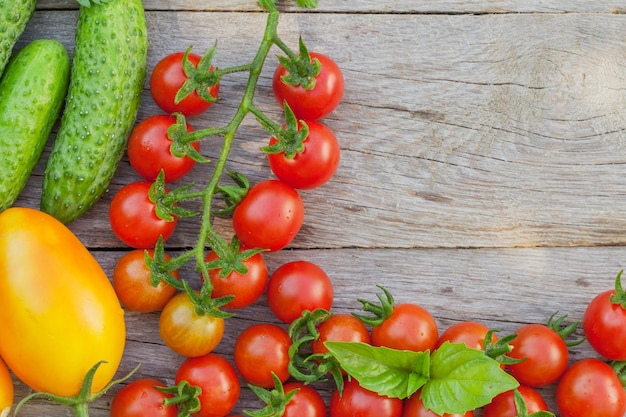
{"points": [[167, 201]]}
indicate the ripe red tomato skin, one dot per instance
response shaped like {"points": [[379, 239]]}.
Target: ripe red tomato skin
{"points": [[604, 324], [269, 216], [307, 402], [357, 401], [167, 78], [297, 286], [312, 167], [414, 407], [149, 150], [340, 328], [546, 355], [261, 349], [410, 327], [590, 388], [318, 102], [469, 332], [131, 282], [246, 288], [503, 405], [140, 398], [218, 380], [133, 218]]}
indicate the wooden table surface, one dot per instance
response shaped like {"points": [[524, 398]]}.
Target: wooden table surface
{"points": [[483, 156]]}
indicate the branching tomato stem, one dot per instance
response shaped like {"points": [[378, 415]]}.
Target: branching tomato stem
{"points": [[228, 132]]}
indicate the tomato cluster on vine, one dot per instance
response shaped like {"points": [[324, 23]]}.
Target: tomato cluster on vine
{"points": [[279, 363]]}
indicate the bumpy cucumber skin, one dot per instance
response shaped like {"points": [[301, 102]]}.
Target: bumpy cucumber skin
{"points": [[14, 15], [32, 91], [108, 73]]}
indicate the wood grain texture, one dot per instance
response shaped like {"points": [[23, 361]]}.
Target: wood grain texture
{"points": [[482, 157], [465, 131], [375, 6]]}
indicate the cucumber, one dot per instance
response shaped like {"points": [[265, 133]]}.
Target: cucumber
{"points": [[14, 15], [32, 91], [106, 82]]}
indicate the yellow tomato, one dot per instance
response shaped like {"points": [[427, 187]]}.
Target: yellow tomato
{"points": [[186, 332], [59, 314], [6, 390]]}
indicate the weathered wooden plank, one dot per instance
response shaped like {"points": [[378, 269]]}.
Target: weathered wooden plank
{"points": [[374, 6], [482, 155], [502, 288], [460, 131]]}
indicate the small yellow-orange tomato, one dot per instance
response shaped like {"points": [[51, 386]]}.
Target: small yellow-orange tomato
{"points": [[59, 315], [131, 281], [186, 332]]}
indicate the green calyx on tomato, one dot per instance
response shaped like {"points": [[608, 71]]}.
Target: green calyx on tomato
{"points": [[380, 312], [165, 201], [199, 78], [564, 331], [185, 396], [619, 298], [229, 257], [181, 147], [306, 366], [161, 266], [290, 139], [453, 379], [302, 69], [275, 399], [79, 402], [499, 349]]}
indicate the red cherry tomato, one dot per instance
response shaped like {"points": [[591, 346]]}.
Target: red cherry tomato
{"points": [[414, 407], [604, 324], [218, 381], [410, 327], [312, 167], [246, 288], [141, 398], [168, 77], [149, 150], [269, 216], [340, 328], [503, 405], [590, 388], [546, 355], [307, 402], [469, 332], [133, 217], [298, 286], [261, 349], [318, 102], [356, 401], [131, 281]]}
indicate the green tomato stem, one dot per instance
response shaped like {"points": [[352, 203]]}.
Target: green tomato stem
{"points": [[244, 108]]}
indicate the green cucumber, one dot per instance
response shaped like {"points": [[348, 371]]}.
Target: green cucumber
{"points": [[32, 91], [14, 15], [108, 73]]}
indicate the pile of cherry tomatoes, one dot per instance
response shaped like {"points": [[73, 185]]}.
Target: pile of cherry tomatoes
{"points": [[269, 216]]}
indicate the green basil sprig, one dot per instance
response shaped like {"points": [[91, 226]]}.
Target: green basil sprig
{"points": [[453, 379]]}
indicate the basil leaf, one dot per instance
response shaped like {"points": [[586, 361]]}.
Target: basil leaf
{"points": [[390, 372], [463, 379]]}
